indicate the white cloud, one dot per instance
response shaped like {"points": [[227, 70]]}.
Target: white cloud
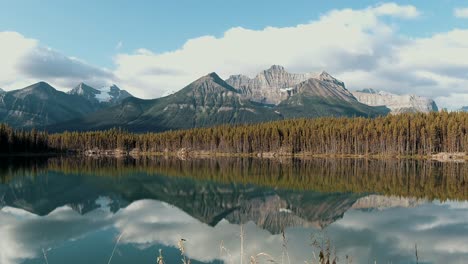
{"points": [[25, 61], [119, 45], [461, 12], [393, 9], [354, 35], [360, 47], [357, 46]]}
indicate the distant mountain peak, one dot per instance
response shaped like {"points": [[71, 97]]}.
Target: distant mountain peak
{"points": [[405, 103], [368, 90], [210, 82], [84, 89], [110, 94], [271, 86], [325, 76], [276, 68], [213, 75], [39, 88], [2, 91]]}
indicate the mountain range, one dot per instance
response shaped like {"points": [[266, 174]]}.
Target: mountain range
{"points": [[273, 94], [40, 105]]}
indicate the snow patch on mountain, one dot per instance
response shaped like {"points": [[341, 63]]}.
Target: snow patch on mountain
{"points": [[104, 94]]}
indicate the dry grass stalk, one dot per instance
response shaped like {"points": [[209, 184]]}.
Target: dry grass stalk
{"points": [[45, 256], [115, 247], [285, 248], [181, 247], [254, 259], [222, 249], [160, 259], [241, 244]]}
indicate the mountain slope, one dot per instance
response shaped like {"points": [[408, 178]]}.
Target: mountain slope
{"points": [[396, 103], [324, 96], [40, 105]]}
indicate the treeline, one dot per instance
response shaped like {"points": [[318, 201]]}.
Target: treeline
{"points": [[397, 135], [20, 141], [404, 134]]}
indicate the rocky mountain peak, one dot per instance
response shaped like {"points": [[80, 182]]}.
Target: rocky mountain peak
{"points": [[2, 91], [210, 83], [84, 89], [40, 90], [272, 86], [325, 76], [275, 68], [114, 87], [368, 90]]}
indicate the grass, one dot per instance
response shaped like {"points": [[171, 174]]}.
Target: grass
{"points": [[322, 252]]}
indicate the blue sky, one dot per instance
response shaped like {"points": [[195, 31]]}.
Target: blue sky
{"points": [[91, 30], [107, 41]]}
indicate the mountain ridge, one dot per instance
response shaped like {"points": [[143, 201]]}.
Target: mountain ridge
{"points": [[40, 105], [406, 103], [210, 100]]}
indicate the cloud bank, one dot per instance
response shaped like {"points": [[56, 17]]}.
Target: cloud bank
{"points": [[25, 61], [461, 12], [364, 48]]}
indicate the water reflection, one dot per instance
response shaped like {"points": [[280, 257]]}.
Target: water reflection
{"points": [[73, 210]]}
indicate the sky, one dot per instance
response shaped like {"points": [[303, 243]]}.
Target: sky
{"points": [[151, 48]]}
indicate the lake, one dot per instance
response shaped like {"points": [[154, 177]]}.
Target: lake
{"points": [[105, 210]]}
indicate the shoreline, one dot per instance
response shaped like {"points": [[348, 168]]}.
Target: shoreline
{"points": [[188, 154]]}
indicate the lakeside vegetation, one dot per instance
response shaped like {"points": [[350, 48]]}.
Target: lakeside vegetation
{"points": [[392, 135]]}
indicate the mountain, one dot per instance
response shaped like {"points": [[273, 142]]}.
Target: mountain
{"points": [[270, 86], [2, 91], [212, 101], [396, 103], [206, 101], [323, 96], [39, 105], [464, 109], [105, 95], [382, 202]]}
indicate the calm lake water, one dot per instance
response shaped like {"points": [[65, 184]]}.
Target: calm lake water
{"points": [[73, 210]]}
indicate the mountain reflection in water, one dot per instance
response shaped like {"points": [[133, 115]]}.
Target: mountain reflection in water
{"points": [[72, 210]]}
